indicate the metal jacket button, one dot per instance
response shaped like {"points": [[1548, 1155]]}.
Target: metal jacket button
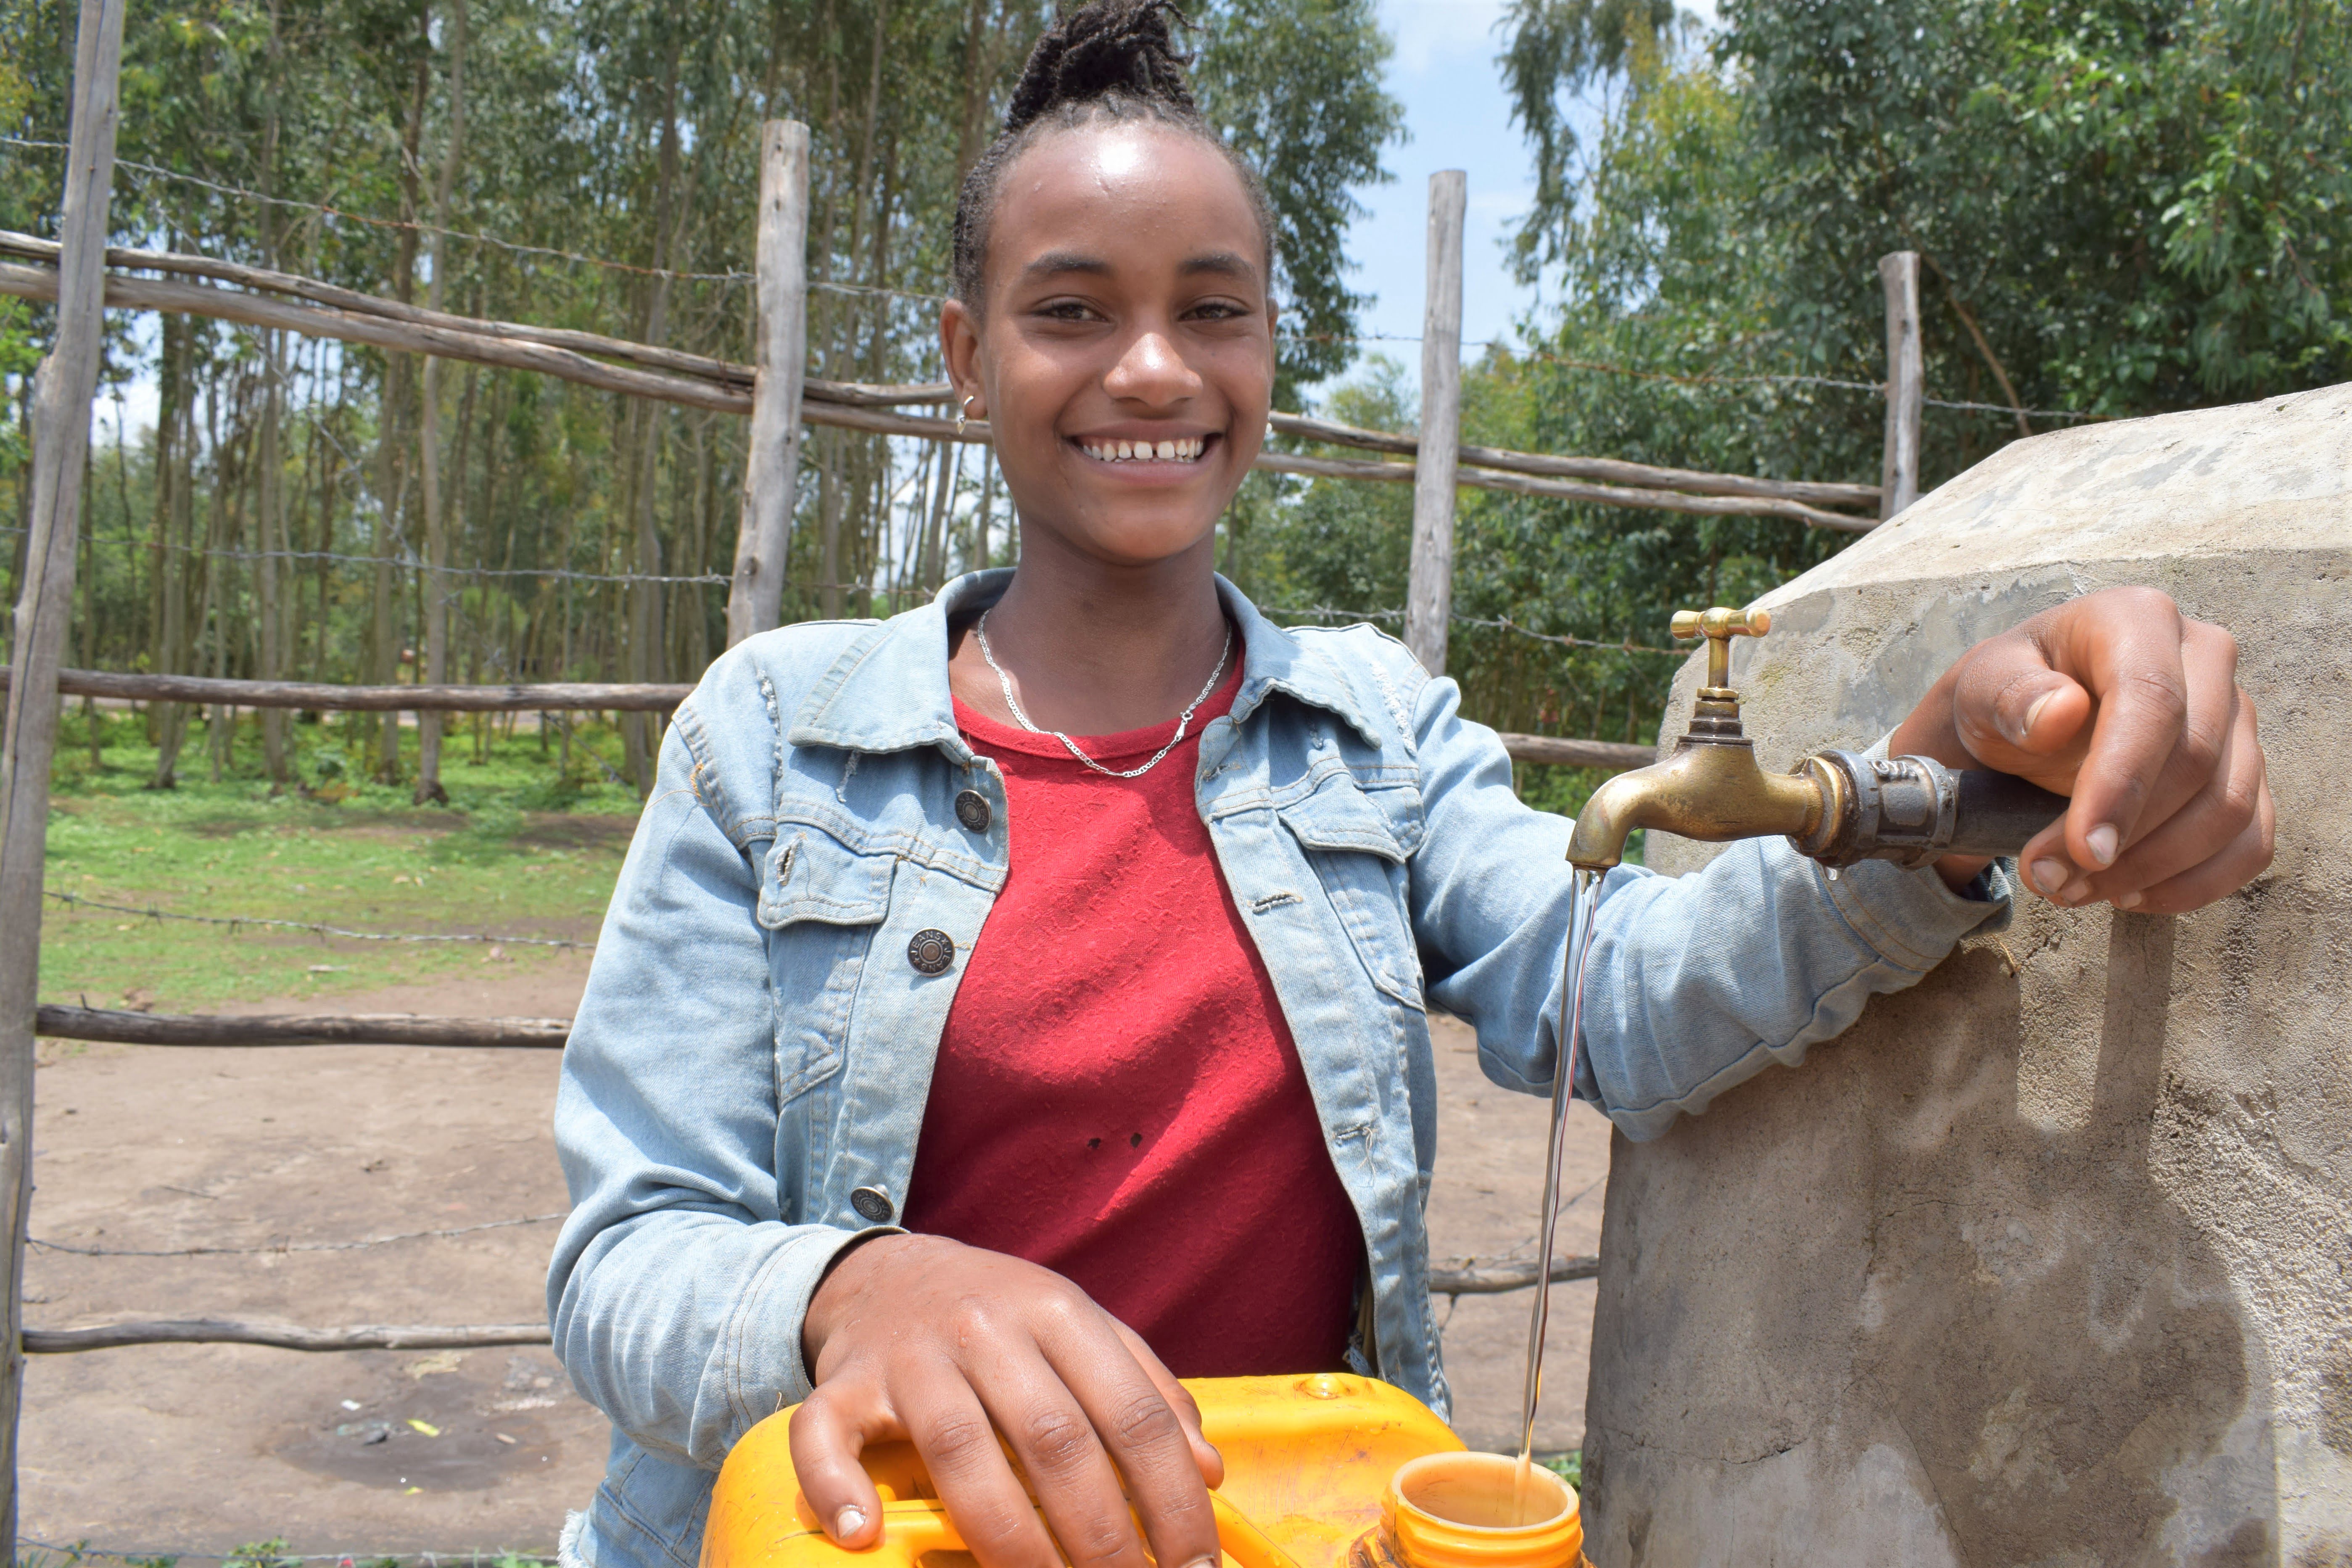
{"points": [[873, 1204], [971, 810], [931, 951]]}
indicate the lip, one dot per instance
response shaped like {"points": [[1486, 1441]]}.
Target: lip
{"points": [[1157, 467]]}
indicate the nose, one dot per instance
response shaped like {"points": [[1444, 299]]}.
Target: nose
{"points": [[1152, 371]]}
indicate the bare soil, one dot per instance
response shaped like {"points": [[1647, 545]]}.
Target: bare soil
{"points": [[196, 1450]]}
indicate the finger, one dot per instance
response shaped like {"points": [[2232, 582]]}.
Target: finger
{"points": [[2129, 648], [2044, 864], [2209, 664], [2015, 714], [1180, 1399], [829, 1432], [953, 1429], [1061, 1439], [1145, 1436], [2245, 859], [2200, 828]]}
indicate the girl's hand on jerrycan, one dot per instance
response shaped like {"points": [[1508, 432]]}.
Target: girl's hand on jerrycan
{"points": [[925, 1340], [2119, 701]]}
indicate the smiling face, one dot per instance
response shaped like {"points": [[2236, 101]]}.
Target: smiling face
{"points": [[1123, 349]]}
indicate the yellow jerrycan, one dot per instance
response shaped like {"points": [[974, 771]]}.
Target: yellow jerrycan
{"points": [[1329, 1471]]}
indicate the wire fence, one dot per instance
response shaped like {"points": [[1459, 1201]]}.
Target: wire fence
{"points": [[411, 563], [278, 1247], [1519, 350], [1499, 623], [519, 248], [1695, 378], [235, 921]]}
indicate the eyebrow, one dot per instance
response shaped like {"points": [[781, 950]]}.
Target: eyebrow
{"points": [[1218, 263], [1221, 263], [1055, 261]]}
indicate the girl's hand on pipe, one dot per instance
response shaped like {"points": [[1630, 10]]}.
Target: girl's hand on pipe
{"points": [[2119, 701], [922, 1339]]}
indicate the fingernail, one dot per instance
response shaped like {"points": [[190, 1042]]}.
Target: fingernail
{"points": [[2074, 892], [2131, 900], [2017, 731], [2101, 841], [2049, 876], [848, 1523]]}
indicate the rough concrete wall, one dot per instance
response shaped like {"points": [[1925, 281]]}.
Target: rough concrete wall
{"points": [[2048, 1261]]}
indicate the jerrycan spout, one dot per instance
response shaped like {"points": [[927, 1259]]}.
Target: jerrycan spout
{"points": [[1474, 1510]]}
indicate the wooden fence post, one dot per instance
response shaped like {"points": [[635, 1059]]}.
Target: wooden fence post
{"points": [[1907, 383], [780, 356], [63, 386], [1429, 596]]}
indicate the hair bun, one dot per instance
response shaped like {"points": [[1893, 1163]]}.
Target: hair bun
{"points": [[1104, 48]]}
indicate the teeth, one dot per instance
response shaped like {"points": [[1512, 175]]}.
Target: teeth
{"points": [[1185, 450]]}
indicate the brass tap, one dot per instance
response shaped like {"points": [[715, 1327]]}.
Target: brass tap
{"points": [[1709, 787]]}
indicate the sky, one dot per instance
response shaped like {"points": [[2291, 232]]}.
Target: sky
{"points": [[1456, 117]]}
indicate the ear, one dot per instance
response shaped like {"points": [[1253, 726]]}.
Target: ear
{"points": [[959, 350]]}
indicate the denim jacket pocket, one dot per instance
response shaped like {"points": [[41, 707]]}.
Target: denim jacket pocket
{"points": [[821, 902], [809, 874], [1356, 857]]}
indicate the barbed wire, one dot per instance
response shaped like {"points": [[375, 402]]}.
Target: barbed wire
{"points": [[1502, 623], [1521, 350], [408, 563], [233, 922], [475, 237], [1682, 378], [290, 1245]]}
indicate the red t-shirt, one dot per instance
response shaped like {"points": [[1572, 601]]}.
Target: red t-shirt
{"points": [[1117, 1097]]}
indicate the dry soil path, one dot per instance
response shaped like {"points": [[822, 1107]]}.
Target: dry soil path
{"points": [[196, 1450]]}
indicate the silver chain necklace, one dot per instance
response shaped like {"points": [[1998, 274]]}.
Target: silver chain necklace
{"points": [[1183, 720]]}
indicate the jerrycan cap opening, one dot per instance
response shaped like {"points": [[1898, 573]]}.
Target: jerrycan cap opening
{"points": [[1463, 1511], [1480, 1491]]}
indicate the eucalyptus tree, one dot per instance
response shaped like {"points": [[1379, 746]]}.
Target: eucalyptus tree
{"points": [[339, 513]]}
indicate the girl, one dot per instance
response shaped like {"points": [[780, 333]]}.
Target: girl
{"points": [[1010, 1007]]}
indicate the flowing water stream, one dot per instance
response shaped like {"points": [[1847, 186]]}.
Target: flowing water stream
{"points": [[1586, 897]]}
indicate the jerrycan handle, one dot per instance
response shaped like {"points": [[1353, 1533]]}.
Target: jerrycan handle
{"points": [[912, 1528]]}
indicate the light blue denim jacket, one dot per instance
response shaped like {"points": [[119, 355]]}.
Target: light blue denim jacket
{"points": [[755, 1046]]}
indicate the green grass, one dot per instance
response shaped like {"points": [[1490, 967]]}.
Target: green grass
{"points": [[1567, 1466], [520, 850]]}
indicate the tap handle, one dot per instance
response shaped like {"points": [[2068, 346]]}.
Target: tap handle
{"points": [[1719, 626]]}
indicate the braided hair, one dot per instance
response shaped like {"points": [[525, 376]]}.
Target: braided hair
{"points": [[1107, 59]]}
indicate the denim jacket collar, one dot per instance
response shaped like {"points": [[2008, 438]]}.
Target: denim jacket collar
{"points": [[888, 691]]}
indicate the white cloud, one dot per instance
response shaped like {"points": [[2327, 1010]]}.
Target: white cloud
{"points": [[1429, 32]]}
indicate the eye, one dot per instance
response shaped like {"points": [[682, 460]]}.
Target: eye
{"points": [[1066, 310], [1218, 311]]}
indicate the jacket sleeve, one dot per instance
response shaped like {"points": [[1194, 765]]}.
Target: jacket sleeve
{"points": [[677, 1291], [1695, 984]]}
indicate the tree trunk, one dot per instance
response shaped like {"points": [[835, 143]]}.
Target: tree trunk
{"points": [[639, 734], [168, 722], [392, 442], [436, 525], [270, 520]]}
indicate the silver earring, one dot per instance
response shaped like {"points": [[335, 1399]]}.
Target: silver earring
{"points": [[963, 413]]}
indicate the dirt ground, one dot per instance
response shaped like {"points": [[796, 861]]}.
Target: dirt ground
{"points": [[196, 1450]]}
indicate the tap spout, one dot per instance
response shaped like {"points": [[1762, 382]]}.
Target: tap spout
{"points": [[1707, 789]]}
